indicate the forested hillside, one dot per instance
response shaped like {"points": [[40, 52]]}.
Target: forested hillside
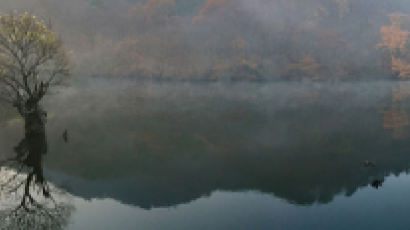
{"points": [[232, 39]]}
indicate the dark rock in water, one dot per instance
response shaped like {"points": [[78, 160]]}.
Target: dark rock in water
{"points": [[65, 136], [369, 164], [377, 183]]}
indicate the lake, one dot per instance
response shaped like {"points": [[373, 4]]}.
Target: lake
{"points": [[125, 155]]}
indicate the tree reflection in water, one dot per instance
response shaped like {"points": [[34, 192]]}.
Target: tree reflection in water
{"points": [[28, 201]]}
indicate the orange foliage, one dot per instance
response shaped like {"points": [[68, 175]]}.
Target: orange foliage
{"points": [[209, 7], [251, 63], [307, 65], [395, 40], [154, 11]]}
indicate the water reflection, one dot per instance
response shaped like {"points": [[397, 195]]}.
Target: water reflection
{"points": [[27, 198], [377, 183], [149, 149], [154, 151], [395, 117]]}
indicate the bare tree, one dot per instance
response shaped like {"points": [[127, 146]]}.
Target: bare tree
{"points": [[31, 60]]}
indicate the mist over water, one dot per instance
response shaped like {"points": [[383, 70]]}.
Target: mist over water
{"points": [[274, 138], [163, 150], [168, 150]]}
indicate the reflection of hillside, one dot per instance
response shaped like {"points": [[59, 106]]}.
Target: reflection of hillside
{"points": [[171, 150], [394, 118], [302, 170], [401, 92]]}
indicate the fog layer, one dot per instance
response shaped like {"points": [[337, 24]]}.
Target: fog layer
{"points": [[230, 39]]}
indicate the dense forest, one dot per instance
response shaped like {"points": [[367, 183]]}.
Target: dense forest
{"points": [[231, 39]]}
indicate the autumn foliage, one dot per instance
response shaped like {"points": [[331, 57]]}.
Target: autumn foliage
{"points": [[395, 39], [31, 59], [221, 39]]}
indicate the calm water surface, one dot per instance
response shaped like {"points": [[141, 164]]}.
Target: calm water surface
{"points": [[213, 156]]}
